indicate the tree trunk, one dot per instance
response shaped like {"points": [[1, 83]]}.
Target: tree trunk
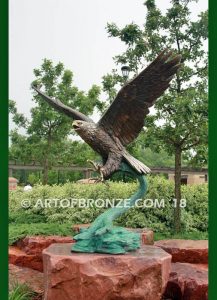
{"points": [[177, 211], [46, 163], [45, 173]]}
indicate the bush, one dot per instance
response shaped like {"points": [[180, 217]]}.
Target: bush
{"points": [[33, 178], [22, 217], [194, 215], [19, 231]]}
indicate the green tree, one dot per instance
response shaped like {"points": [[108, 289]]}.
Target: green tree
{"points": [[47, 129], [18, 146], [179, 124], [66, 153], [18, 118]]}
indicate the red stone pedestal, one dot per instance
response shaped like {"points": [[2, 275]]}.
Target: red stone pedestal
{"points": [[27, 252], [188, 282], [139, 275], [187, 251]]}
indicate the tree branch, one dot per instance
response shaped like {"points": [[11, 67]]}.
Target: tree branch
{"points": [[191, 145]]}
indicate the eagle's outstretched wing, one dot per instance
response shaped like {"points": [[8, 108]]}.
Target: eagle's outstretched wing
{"points": [[59, 106], [125, 116]]}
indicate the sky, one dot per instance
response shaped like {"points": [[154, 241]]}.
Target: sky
{"points": [[72, 32]]}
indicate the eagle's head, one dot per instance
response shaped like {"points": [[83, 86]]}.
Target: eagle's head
{"points": [[84, 128]]}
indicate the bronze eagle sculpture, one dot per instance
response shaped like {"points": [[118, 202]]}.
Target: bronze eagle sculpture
{"points": [[124, 118]]}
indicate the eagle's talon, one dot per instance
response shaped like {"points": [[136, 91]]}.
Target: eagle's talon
{"points": [[102, 179], [101, 175], [98, 169], [95, 165]]}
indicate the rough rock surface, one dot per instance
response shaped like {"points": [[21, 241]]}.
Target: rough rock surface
{"points": [[139, 275], [27, 252], [20, 258], [32, 278], [189, 251], [187, 282], [147, 235], [36, 244]]}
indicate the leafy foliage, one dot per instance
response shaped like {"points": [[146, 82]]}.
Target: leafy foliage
{"points": [[20, 230], [17, 118], [194, 217], [47, 131]]}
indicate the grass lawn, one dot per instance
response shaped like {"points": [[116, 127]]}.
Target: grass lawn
{"points": [[18, 231], [183, 235]]}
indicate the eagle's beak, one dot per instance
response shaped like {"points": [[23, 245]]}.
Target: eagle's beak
{"points": [[75, 125]]}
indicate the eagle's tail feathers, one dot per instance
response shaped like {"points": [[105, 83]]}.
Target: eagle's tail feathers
{"points": [[136, 164]]}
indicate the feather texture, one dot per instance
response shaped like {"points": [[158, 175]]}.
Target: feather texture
{"points": [[59, 106], [124, 118]]}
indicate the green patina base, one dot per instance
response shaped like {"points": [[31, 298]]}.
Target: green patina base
{"points": [[102, 236], [117, 240]]}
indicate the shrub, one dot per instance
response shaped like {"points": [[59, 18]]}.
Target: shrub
{"points": [[194, 215], [19, 231], [33, 178]]}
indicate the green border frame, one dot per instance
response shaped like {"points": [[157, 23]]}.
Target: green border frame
{"points": [[4, 149], [212, 149]]}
